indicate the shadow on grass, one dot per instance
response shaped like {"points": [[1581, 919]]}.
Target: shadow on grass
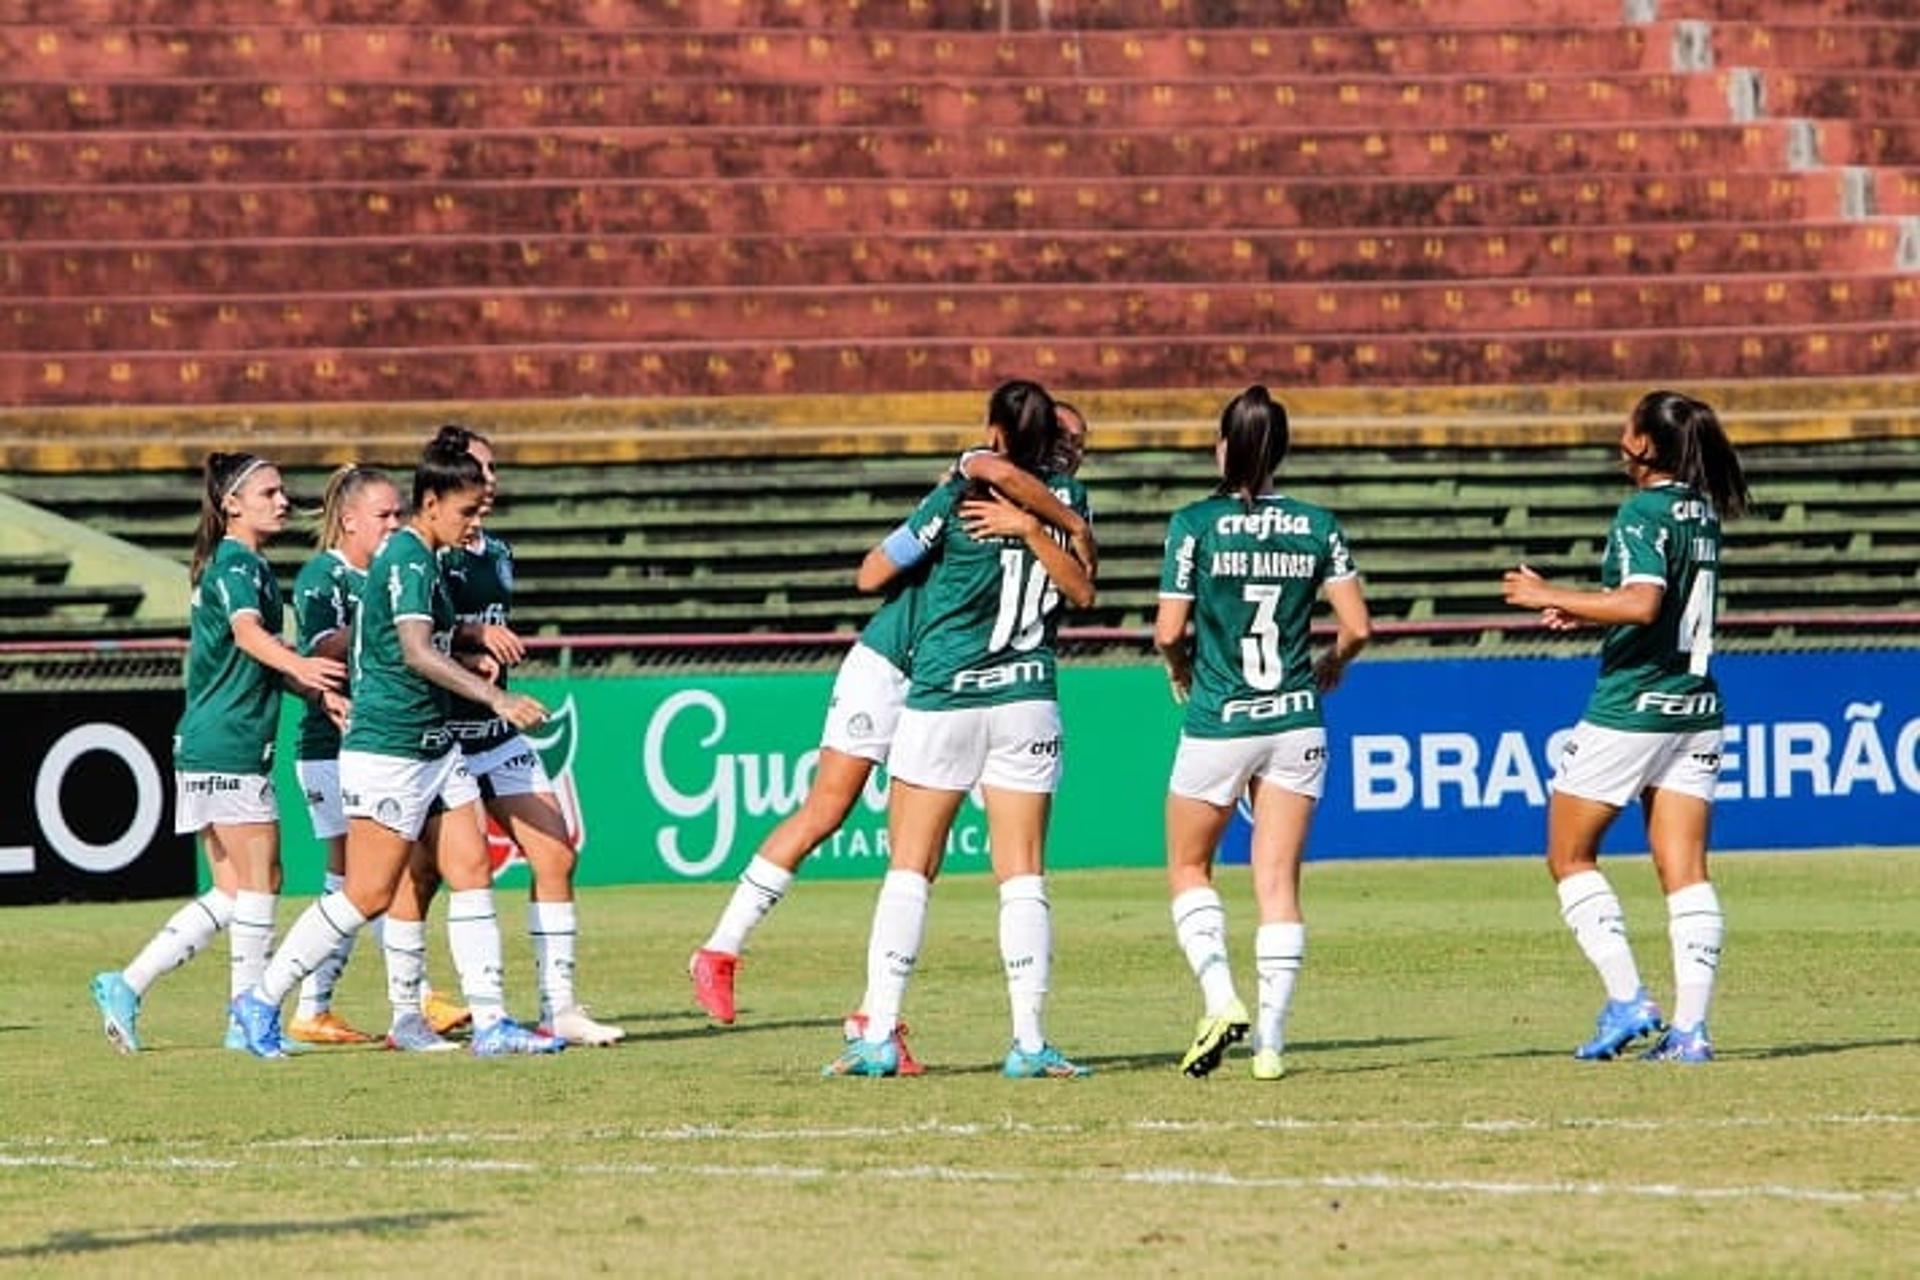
{"points": [[705, 1030], [1815, 1050], [1168, 1059], [19, 1027], [79, 1243]]}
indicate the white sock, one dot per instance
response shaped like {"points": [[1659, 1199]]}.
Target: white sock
{"points": [[761, 887], [404, 944], [313, 937], [316, 989], [553, 926], [1200, 923], [1696, 927], [1026, 949], [185, 934], [474, 933], [1588, 905], [1278, 952], [250, 938], [893, 948]]}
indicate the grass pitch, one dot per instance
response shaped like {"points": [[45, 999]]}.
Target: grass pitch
{"points": [[1431, 1120]]}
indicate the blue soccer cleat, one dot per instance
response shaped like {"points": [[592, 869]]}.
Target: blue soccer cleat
{"points": [[259, 1025], [119, 1010], [1046, 1064], [1620, 1023], [507, 1038], [866, 1058], [236, 1039], [1682, 1044]]}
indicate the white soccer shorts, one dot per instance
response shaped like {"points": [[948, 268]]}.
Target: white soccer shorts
{"points": [[202, 800], [1217, 770], [1015, 746], [864, 709], [401, 794], [320, 783], [1613, 766], [511, 769]]}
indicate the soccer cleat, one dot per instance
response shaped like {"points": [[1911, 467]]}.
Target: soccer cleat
{"points": [[119, 1010], [412, 1033], [326, 1027], [1682, 1044], [1211, 1038], [507, 1037], [1267, 1064], [575, 1027], [1620, 1023], [259, 1026], [854, 1027], [865, 1058], [1048, 1063], [445, 1014], [712, 974]]}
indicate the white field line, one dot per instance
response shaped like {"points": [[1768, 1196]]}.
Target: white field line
{"points": [[1193, 1178], [721, 1134]]}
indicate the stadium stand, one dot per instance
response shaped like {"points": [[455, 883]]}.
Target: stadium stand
{"points": [[674, 232]]}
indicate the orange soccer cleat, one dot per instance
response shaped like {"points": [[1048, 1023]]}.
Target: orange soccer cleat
{"points": [[326, 1027], [444, 1014]]}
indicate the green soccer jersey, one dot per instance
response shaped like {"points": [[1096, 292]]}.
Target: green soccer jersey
{"points": [[326, 594], [988, 611], [889, 632], [397, 712], [233, 703], [480, 584], [1653, 678], [1252, 576]]}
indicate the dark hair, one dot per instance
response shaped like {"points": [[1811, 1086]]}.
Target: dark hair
{"points": [[220, 476], [1687, 442], [455, 436], [445, 468], [1028, 421], [342, 487], [1254, 425]]}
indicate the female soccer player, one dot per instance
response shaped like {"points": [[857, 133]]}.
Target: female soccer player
{"points": [[360, 508], [980, 709], [1652, 727], [402, 776], [868, 693], [1243, 566], [237, 665], [515, 787]]}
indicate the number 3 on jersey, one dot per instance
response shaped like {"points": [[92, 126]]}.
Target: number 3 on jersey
{"points": [[1027, 596], [1696, 623], [1260, 647]]}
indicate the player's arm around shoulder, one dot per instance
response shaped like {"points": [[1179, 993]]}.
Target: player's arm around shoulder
{"points": [[913, 540]]}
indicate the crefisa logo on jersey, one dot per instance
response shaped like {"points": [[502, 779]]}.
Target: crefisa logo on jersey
{"points": [[556, 742]]}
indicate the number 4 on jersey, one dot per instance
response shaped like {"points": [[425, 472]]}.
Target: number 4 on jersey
{"points": [[1696, 623]]}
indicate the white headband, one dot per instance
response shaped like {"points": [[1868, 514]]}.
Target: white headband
{"points": [[233, 485]]}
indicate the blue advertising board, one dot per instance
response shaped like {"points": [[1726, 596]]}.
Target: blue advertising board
{"points": [[1453, 758]]}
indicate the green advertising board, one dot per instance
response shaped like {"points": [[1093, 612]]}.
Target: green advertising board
{"points": [[675, 778]]}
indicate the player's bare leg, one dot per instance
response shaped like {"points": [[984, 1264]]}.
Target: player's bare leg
{"points": [[1677, 826], [1592, 910], [536, 824]]}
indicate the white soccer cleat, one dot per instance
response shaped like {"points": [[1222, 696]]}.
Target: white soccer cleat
{"points": [[574, 1026]]}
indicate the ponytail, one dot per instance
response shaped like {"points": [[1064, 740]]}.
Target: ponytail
{"points": [[220, 477], [1254, 427], [1688, 443], [1028, 423], [446, 468], [343, 486]]}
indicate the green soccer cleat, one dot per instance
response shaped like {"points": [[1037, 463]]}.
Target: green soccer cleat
{"points": [[1048, 1063], [1212, 1036], [1267, 1065]]}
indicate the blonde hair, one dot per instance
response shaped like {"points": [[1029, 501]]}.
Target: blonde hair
{"points": [[343, 486]]}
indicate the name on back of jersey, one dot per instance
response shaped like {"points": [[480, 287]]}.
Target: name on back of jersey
{"points": [[1264, 564]]}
